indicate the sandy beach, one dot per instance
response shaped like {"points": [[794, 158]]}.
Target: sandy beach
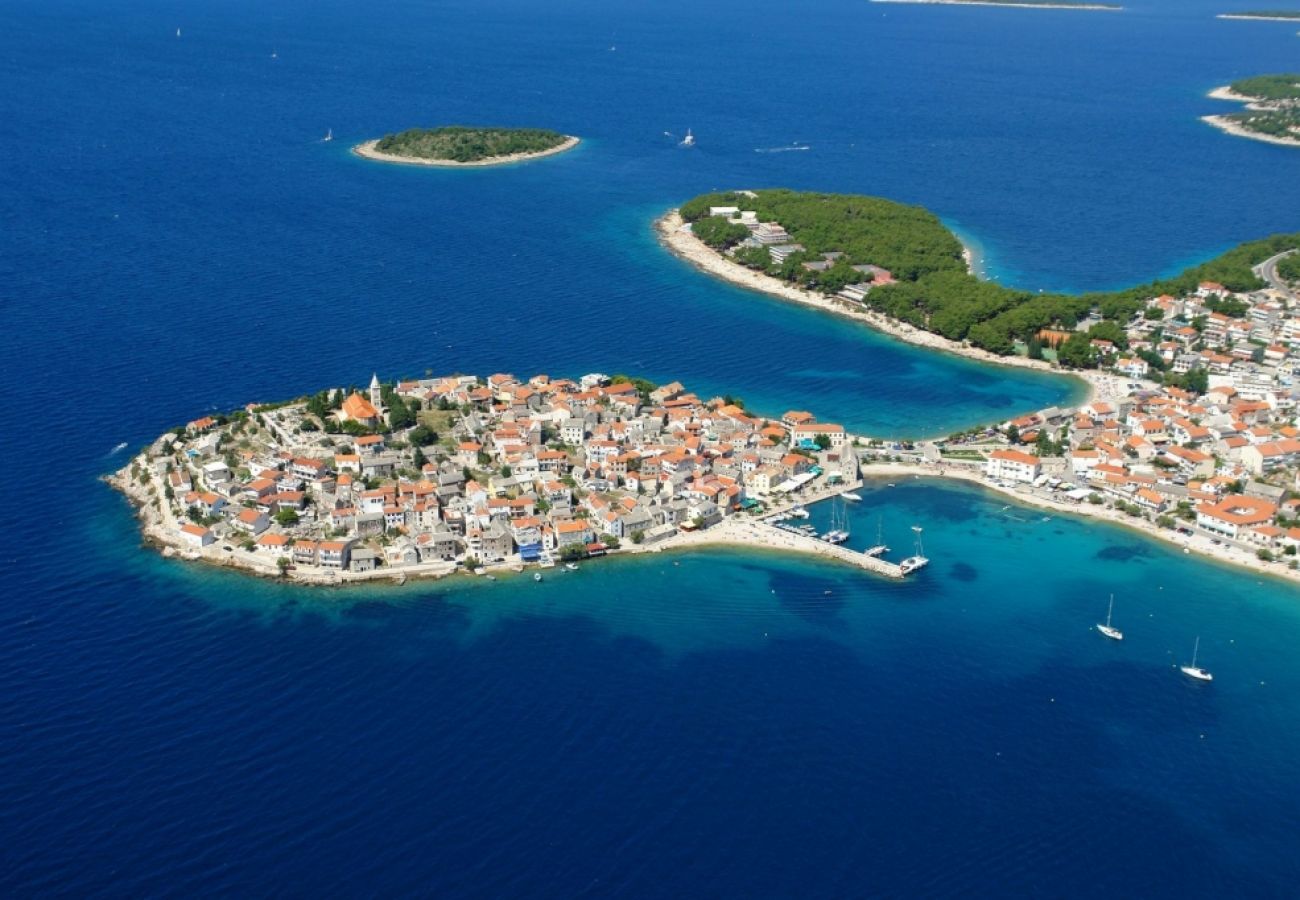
{"points": [[690, 248], [1223, 123], [366, 149]]}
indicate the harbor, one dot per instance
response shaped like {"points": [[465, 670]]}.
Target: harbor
{"points": [[791, 527]]}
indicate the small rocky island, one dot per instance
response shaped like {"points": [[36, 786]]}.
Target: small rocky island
{"points": [[459, 145], [1272, 109]]}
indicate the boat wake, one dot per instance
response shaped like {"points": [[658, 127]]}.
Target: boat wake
{"points": [[789, 149], [118, 448]]}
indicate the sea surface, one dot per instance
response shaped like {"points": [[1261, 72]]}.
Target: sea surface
{"points": [[176, 239]]}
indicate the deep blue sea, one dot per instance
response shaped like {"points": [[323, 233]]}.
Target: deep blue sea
{"points": [[176, 239]]}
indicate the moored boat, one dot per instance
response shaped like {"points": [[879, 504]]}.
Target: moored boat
{"points": [[1108, 630]]}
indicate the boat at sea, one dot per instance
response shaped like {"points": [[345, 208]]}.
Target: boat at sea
{"points": [[537, 576], [851, 497], [917, 560], [798, 513], [1193, 670], [1108, 630], [689, 140], [329, 136], [572, 567]]}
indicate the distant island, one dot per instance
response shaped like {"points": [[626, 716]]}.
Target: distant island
{"points": [[1271, 15], [901, 270], [1026, 4], [458, 145], [1272, 109]]}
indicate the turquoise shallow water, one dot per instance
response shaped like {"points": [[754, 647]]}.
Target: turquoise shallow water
{"points": [[722, 727]]}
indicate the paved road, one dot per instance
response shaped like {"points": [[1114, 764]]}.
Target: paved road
{"points": [[1268, 271]]}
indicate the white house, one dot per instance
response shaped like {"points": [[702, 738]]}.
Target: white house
{"points": [[1013, 465]]}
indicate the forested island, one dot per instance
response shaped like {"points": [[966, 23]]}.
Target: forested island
{"points": [[1031, 4], [1285, 15], [459, 145], [901, 262], [1272, 111]]}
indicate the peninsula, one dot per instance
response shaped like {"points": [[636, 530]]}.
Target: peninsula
{"points": [[456, 145], [428, 477], [1272, 109], [899, 269], [1022, 4]]}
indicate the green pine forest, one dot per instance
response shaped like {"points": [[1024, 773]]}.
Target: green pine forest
{"points": [[458, 143], [935, 292]]}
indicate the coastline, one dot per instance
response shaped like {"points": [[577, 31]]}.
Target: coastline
{"points": [[1227, 125], [1225, 92], [1103, 7], [691, 249], [736, 532], [366, 150], [1196, 543]]}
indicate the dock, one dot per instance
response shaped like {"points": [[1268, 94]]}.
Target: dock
{"points": [[767, 534]]}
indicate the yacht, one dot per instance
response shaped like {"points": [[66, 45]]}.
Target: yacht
{"points": [[689, 140], [917, 560], [852, 497], [1113, 633], [572, 567], [1195, 671]]}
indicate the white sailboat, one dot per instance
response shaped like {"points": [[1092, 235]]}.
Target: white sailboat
{"points": [[839, 532], [1113, 633], [881, 548], [329, 136], [1195, 671], [917, 560], [689, 140]]}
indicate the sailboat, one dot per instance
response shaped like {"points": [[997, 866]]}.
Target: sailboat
{"points": [[1195, 671], [880, 549], [839, 532], [689, 140], [329, 136], [178, 32], [917, 560], [1113, 633]]}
